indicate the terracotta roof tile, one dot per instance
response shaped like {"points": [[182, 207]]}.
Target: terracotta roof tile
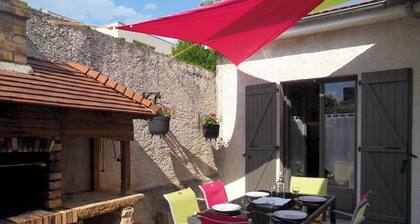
{"points": [[146, 102], [111, 83], [69, 86], [137, 98], [102, 78], [118, 87], [92, 73], [81, 68]]}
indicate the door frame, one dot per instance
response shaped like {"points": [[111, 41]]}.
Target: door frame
{"points": [[321, 82]]}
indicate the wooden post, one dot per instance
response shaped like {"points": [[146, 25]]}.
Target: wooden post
{"points": [[95, 146], [125, 166]]}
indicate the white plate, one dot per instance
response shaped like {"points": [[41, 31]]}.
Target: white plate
{"points": [[257, 194], [226, 207], [313, 199], [275, 201], [290, 214]]}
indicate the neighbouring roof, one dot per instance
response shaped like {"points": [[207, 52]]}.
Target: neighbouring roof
{"points": [[71, 86], [344, 8]]}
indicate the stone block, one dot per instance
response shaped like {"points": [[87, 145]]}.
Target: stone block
{"points": [[6, 56], [19, 30], [18, 39], [54, 203], [55, 185], [5, 37], [20, 58], [8, 46], [24, 13], [20, 4]]}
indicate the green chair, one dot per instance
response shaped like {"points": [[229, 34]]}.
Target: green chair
{"points": [[309, 185], [358, 215], [183, 204]]}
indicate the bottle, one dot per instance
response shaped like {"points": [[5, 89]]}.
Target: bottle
{"points": [[280, 186]]}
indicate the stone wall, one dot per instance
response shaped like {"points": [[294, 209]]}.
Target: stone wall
{"points": [[183, 158], [13, 15]]}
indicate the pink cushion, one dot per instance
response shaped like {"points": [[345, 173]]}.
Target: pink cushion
{"points": [[214, 193]]}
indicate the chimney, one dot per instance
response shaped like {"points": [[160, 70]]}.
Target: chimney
{"points": [[13, 49]]}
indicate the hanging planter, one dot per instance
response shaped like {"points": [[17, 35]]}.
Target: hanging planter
{"points": [[211, 131], [210, 125], [160, 125]]}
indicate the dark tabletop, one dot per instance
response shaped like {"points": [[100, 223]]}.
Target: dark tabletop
{"points": [[261, 214]]}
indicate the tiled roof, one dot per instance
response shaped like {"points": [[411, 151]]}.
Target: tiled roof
{"points": [[345, 7], [71, 86]]}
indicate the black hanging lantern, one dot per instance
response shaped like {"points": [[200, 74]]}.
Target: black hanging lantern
{"points": [[211, 131], [159, 125]]}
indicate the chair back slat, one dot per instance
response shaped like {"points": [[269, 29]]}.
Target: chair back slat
{"points": [[183, 204], [310, 185], [359, 212], [214, 193]]}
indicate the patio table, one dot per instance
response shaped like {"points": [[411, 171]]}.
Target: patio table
{"points": [[261, 216]]}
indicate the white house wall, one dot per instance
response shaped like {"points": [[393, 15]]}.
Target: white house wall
{"points": [[375, 47], [160, 45]]}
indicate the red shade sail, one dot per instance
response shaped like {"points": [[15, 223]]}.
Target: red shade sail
{"points": [[235, 28]]}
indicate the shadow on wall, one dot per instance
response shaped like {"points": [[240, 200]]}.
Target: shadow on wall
{"points": [[182, 156]]}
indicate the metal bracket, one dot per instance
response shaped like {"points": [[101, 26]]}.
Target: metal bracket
{"points": [[156, 95]]}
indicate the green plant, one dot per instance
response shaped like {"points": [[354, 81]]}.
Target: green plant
{"points": [[168, 111], [206, 2], [195, 55], [209, 119]]}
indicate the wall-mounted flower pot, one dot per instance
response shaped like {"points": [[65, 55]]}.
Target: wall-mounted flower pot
{"points": [[211, 131], [159, 125]]}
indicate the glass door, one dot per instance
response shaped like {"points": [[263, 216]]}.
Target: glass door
{"points": [[339, 140]]}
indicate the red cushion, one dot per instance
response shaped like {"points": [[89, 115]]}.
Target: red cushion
{"points": [[207, 218]]}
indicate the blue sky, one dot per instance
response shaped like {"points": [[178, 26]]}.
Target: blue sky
{"points": [[99, 12]]}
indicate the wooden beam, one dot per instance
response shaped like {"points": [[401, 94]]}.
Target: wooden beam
{"points": [[125, 166], [45, 122], [95, 145]]}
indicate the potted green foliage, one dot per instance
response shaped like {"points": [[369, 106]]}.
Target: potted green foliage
{"points": [[159, 125], [210, 125]]}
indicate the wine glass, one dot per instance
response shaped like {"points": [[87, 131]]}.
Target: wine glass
{"points": [[295, 190], [245, 200]]}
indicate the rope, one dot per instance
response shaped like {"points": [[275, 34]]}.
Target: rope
{"points": [[183, 51]]}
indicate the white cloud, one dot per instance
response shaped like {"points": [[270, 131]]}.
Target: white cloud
{"points": [[91, 11], [150, 6]]}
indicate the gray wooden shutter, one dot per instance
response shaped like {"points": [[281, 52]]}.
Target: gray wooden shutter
{"points": [[262, 133], [385, 131]]}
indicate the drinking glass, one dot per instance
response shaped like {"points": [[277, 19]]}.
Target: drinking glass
{"points": [[245, 200], [295, 190]]}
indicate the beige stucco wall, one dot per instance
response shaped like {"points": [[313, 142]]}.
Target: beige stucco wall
{"points": [[76, 165], [158, 165], [381, 46]]}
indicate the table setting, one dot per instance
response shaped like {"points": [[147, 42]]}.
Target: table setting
{"points": [[262, 207]]}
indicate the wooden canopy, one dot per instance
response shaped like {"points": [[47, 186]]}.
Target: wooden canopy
{"points": [[68, 100]]}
